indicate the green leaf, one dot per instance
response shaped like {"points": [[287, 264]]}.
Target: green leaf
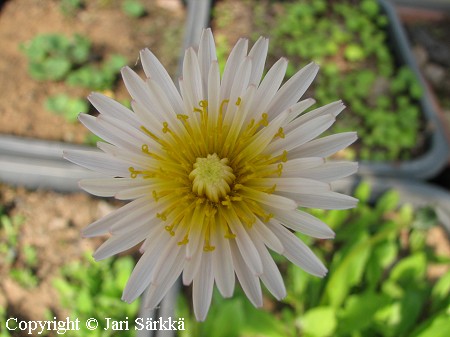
{"points": [[388, 202], [440, 294], [319, 322], [437, 327], [359, 312], [363, 192], [68, 107], [347, 273], [425, 218], [410, 270]]}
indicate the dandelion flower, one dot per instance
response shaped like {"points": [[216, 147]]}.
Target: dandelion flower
{"points": [[216, 172]]}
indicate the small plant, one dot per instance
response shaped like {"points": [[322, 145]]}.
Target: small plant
{"points": [[19, 260], [133, 8], [71, 7], [53, 56], [97, 77], [67, 107], [9, 237], [90, 289], [377, 283], [350, 43]]}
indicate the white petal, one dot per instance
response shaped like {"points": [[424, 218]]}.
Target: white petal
{"points": [[268, 88], [237, 90], [244, 243], [206, 55], [261, 232], [294, 166], [223, 263], [234, 61], [134, 192], [249, 282], [107, 106], [98, 161], [121, 242], [108, 187], [290, 184], [213, 94], [271, 276], [192, 265], [293, 89], [137, 88], [258, 55], [167, 278], [155, 70], [203, 287], [329, 171], [140, 277], [334, 109], [301, 135], [261, 139], [304, 223], [297, 252], [323, 200], [298, 108], [192, 77], [115, 131], [102, 226], [325, 146], [274, 200]]}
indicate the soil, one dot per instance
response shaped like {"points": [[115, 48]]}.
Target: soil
{"points": [[22, 110]]}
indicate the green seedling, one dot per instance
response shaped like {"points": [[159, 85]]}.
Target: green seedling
{"points": [[377, 283], [350, 43], [133, 8], [67, 107], [53, 56], [93, 289]]}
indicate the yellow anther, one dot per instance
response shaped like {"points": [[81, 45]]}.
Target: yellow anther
{"points": [[184, 241], [145, 149], [203, 103], [170, 230], [272, 189], [280, 133], [264, 119], [162, 216], [133, 172], [267, 217], [155, 195], [182, 117], [280, 169], [227, 201], [238, 102], [208, 248], [229, 234], [165, 127]]}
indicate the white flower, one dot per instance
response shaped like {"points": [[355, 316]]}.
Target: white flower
{"points": [[216, 172]]}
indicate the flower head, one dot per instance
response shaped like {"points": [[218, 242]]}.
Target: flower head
{"points": [[216, 172]]}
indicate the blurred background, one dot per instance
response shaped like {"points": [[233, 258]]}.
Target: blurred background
{"points": [[389, 61]]}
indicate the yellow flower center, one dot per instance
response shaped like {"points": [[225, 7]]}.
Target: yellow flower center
{"points": [[204, 173], [212, 177]]}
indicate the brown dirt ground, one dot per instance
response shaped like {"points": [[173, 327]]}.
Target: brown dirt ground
{"points": [[22, 110]]}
